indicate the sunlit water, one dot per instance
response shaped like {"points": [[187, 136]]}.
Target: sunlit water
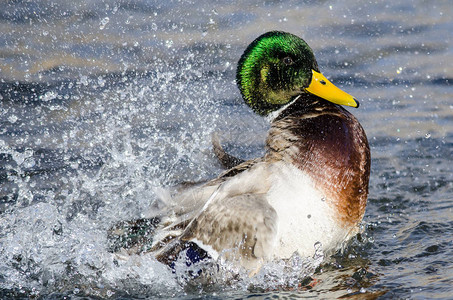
{"points": [[102, 103]]}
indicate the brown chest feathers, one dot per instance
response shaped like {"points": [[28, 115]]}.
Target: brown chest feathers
{"points": [[330, 145]]}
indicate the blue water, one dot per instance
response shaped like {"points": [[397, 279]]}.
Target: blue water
{"points": [[102, 102]]}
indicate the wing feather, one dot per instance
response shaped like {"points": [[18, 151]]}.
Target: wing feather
{"points": [[241, 228]]}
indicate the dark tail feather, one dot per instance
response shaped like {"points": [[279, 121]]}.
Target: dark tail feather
{"points": [[193, 254]]}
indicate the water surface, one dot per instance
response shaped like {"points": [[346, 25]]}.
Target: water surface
{"points": [[103, 102]]}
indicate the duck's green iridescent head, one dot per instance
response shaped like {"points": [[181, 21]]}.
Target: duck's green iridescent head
{"points": [[278, 66]]}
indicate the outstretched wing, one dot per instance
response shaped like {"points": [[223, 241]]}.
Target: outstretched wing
{"points": [[244, 222], [240, 228]]}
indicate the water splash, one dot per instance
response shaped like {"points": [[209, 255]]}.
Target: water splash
{"points": [[104, 156], [104, 23]]}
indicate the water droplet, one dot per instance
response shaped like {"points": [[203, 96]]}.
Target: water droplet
{"points": [[103, 23], [101, 81], [169, 43], [323, 199], [12, 119], [319, 253], [83, 80], [48, 96], [318, 245], [29, 162]]}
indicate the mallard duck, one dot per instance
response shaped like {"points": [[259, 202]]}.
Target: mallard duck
{"points": [[309, 189]]}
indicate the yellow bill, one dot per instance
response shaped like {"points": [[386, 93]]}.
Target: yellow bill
{"points": [[322, 87]]}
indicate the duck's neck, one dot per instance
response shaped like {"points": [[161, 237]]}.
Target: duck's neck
{"points": [[327, 143]]}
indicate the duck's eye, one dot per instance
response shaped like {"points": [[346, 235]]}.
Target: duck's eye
{"points": [[288, 61]]}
